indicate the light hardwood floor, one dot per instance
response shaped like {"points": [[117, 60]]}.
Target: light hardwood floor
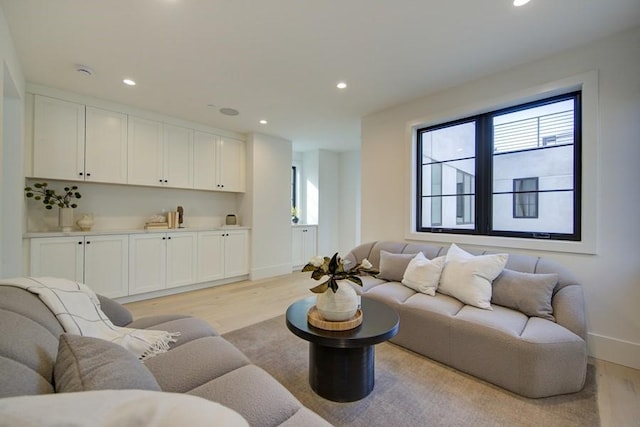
{"points": [[234, 306]]}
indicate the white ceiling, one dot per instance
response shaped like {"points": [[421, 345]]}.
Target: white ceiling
{"points": [[281, 59]]}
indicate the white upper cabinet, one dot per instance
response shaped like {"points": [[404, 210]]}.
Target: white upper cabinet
{"points": [[231, 165], [71, 141], [105, 146], [204, 161], [160, 154], [146, 154], [178, 156], [58, 139], [219, 163]]}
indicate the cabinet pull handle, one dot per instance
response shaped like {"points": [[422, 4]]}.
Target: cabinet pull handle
{"points": [[164, 238], [80, 173], [88, 243], [169, 238], [166, 180], [88, 174], [79, 243], [159, 180]]}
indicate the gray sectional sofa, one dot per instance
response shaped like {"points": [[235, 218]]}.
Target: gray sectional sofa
{"points": [[201, 363], [528, 355]]}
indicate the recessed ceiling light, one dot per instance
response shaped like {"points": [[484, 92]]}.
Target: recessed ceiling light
{"points": [[263, 122], [341, 85], [520, 2], [229, 111], [129, 82]]}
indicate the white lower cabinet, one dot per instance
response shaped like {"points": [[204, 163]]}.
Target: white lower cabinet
{"points": [[101, 262], [130, 264], [303, 244], [161, 260], [222, 254]]}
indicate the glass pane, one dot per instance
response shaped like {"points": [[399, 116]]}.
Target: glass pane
{"points": [[459, 212], [555, 214], [449, 143], [541, 126], [552, 166]]}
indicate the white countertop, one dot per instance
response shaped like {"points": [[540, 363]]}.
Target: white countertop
{"points": [[30, 235]]}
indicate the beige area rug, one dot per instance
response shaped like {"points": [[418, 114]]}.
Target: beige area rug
{"points": [[411, 390]]}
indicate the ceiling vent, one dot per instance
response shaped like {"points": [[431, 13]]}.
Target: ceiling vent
{"points": [[84, 70]]}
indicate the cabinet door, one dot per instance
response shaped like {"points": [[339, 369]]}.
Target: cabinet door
{"points": [[58, 257], [297, 247], [105, 146], [309, 244], [178, 156], [58, 139], [147, 262], [236, 253], [204, 160], [181, 258], [106, 265], [210, 256], [231, 165], [145, 148]]}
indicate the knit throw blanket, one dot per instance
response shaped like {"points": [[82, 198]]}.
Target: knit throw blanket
{"points": [[77, 308]]}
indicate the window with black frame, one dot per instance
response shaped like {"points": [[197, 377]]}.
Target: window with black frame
{"points": [[511, 172]]}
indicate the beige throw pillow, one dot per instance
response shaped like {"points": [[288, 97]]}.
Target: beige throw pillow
{"points": [[468, 278], [526, 292], [392, 266], [423, 274]]}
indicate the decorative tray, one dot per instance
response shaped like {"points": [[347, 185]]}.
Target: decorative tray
{"points": [[314, 319]]}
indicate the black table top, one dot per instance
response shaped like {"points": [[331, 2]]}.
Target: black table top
{"points": [[379, 323]]}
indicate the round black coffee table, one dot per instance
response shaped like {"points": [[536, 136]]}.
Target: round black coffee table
{"points": [[341, 363]]}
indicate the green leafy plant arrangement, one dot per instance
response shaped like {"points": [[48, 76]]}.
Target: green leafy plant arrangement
{"points": [[334, 268], [50, 198]]}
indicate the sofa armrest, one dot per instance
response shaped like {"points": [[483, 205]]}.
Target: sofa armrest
{"points": [[116, 312], [569, 310]]}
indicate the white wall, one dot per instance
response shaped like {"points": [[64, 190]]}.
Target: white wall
{"points": [[266, 205], [12, 90], [329, 206], [330, 188], [349, 209], [611, 276]]}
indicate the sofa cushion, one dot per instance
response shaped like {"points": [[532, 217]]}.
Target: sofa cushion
{"points": [[525, 292], [468, 277], [87, 363], [254, 393], [18, 379], [194, 363], [393, 266], [423, 274], [190, 328]]}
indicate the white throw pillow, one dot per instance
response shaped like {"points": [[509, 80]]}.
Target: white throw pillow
{"points": [[468, 278], [423, 274]]}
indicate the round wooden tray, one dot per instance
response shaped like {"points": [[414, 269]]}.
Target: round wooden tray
{"points": [[314, 319]]}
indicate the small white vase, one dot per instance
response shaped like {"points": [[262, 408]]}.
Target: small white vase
{"points": [[85, 222], [65, 219], [339, 306]]}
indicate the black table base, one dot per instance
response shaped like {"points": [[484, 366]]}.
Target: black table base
{"points": [[341, 374]]}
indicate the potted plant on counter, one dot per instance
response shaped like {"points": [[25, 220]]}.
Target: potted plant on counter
{"points": [[48, 196]]}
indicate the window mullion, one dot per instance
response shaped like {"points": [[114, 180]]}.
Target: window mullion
{"points": [[483, 174]]}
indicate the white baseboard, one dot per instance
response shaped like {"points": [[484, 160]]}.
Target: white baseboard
{"points": [[270, 271], [614, 350], [178, 290]]}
